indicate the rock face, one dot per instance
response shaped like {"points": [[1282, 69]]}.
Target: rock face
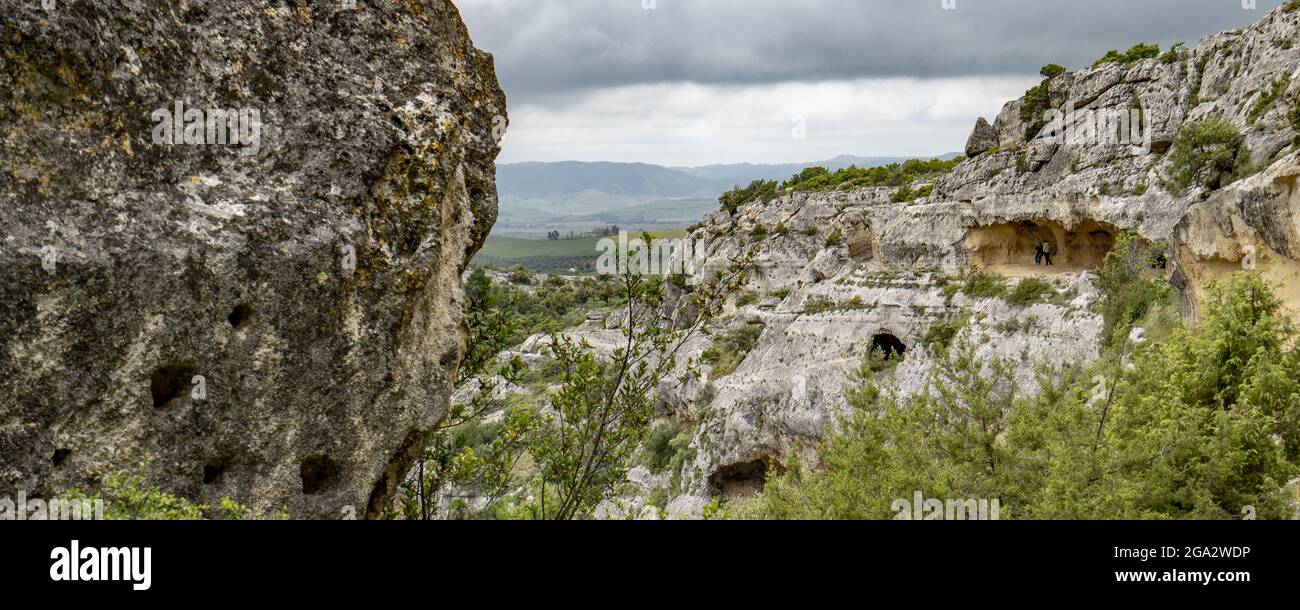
{"points": [[981, 139], [270, 312], [889, 268]]}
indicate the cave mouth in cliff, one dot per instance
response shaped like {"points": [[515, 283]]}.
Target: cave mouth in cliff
{"points": [[889, 346], [167, 382], [1009, 248], [318, 473], [212, 472], [60, 456], [744, 479], [239, 315]]}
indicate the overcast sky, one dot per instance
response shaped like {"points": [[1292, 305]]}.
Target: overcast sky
{"points": [[695, 82]]}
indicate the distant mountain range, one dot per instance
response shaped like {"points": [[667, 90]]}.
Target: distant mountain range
{"points": [[539, 193]]}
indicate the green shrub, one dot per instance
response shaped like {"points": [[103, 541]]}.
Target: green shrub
{"points": [[1295, 114], [729, 349], [1131, 285], [818, 304], [1051, 71], [1030, 290], [980, 284], [758, 190], [1135, 54], [1267, 99], [907, 193], [1033, 109], [748, 298], [758, 232], [940, 335], [781, 229], [816, 179], [1205, 153], [834, 238], [1171, 55], [1291, 6]]}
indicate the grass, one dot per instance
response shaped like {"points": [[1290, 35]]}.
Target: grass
{"points": [[730, 348]]}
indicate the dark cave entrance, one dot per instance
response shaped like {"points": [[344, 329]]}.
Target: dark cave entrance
{"points": [[889, 346], [1010, 247], [744, 479]]}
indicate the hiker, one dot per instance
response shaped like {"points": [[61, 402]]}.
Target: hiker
{"points": [[1038, 253], [1047, 252]]}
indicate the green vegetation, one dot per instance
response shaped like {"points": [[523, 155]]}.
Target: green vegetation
{"points": [[1195, 424], [1171, 56], [729, 349], [555, 304], [1132, 287], [906, 193], [1037, 102], [1051, 71], [1135, 54], [1267, 98], [834, 238], [980, 284], [1295, 116], [1291, 6], [1030, 290], [941, 334], [548, 255], [1206, 153], [817, 179], [126, 496]]}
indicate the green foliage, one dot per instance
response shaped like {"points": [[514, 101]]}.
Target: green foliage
{"points": [[1171, 56], [1267, 98], [518, 274], [127, 496], [758, 190], [1132, 286], [729, 349], [1291, 6], [1205, 153], [1295, 116], [1196, 425], [980, 284], [667, 447], [815, 179], [1032, 110], [748, 298], [758, 232], [834, 238], [1051, 71], [1135, 54], [941, 334], [907, 193], [1030, 290]]}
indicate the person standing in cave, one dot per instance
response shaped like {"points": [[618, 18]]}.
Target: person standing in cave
{"points": [[1038, 253], [1047, 251]]}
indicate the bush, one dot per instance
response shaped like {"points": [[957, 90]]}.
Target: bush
{"points": [[1295, 114], [834, 238], [816, 179], [1267, 98], [1033, 108], [1205, 153], [818, 304], [1131, 286], [1030, 290], [729, 349], [940, 335], [980, 284], [1135, 54], [1051, 71], [758, 190]]}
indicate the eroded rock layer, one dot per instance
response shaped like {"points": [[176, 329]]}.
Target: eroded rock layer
{"points": [[268, 314]]}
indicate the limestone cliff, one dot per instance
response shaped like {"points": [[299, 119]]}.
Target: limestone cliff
{"points": [[267, 312], [887, 268]]}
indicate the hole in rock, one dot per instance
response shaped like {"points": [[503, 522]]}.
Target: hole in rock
{"points": [[169, 381], [892, 347], [60, 456], [239, 315], [1011, 249], [212, 472], [318, 473], [742, 480]]}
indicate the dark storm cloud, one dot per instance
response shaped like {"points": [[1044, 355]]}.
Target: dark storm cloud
{"points": [[546, 47]]}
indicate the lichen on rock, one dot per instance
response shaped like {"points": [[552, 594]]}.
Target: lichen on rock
{"points": [[272, 320]]}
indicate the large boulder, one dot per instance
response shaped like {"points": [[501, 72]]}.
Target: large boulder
{"points": [[982, 138], [269, 313]]}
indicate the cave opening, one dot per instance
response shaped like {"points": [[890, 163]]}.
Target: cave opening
{"points": [[212, 472], [60, 456], [1010, 248], [744, 479], [888, 345], [318, 474], [167, 382], [239, 315]]}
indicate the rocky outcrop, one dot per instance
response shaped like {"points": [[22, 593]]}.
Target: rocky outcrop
{"points": [[232, 240], [887, 269], [981, 139]]}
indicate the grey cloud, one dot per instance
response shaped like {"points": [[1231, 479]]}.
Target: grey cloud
{"points": [[550, 49]]}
